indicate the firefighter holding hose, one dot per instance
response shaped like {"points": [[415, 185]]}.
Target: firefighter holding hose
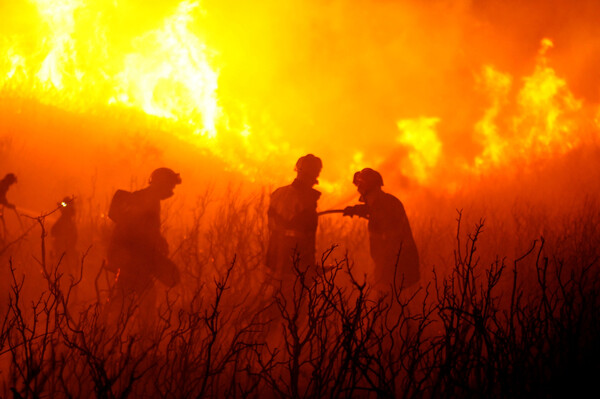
{"points": [[293, 221], [391, 242]]}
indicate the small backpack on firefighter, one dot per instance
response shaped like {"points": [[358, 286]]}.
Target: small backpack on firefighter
{"points": [[120, 206]]}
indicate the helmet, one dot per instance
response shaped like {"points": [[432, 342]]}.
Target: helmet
{"points": [[309, 163], [355, 178], [369, 177], [165, 176]]}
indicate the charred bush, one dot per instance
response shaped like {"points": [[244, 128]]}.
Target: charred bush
{"points": [[481, 326]]}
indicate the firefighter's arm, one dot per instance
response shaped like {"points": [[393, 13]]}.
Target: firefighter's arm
{"points": [[4, 202], [361, 210]]}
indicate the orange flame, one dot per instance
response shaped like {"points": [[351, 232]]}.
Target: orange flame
{"points": [[543, 121], [169, 75], [425, 147], [69, 56]]}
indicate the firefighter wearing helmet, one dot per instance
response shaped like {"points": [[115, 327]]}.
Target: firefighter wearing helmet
{"points": [[163, 182], [293, 221], [137, 251], [64, 237], [392, 245]]}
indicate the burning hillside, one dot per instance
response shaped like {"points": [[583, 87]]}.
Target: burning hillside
{"points": [[429, 93], [482, 117]]}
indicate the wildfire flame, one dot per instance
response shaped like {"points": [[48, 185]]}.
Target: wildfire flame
{"points": [[170, 76], [544, 121], [425, 147], [68, 55], [168, 73]]}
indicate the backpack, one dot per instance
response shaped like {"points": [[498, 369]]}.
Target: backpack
{"points": [[120, 206]]}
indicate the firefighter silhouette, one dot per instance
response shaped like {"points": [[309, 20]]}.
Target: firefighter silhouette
{"points": [[5, 184], [64, 237], [293, 221], [137, 250], [391, 242]]}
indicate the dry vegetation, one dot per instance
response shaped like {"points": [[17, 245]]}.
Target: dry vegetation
{"points": [[509, 307]]}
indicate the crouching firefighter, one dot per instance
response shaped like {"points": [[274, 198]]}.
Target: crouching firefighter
{"points": [[293, 222], [137, 250], [391, 242]]}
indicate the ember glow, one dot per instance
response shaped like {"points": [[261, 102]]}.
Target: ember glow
{"points": [[258, 86]]}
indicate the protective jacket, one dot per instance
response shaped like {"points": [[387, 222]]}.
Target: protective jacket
{"points": [[292, 226], [391, 242], [137, 249]]}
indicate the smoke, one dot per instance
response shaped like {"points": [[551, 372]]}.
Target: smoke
{"points": [[333, 78], [336, 77]]}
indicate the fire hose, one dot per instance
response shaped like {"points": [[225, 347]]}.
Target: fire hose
{"points": [[330, 211]]}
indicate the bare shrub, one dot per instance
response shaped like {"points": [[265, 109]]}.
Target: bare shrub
{"points": [[483, 326]]}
